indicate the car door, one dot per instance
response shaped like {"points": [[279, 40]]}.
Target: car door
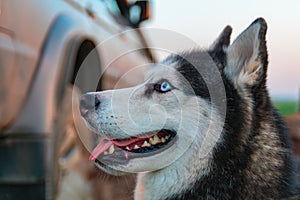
{"points": [[17, 62]]}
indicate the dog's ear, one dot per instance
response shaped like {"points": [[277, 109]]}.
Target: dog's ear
{"points": [[218, 48], [222, 42], [247, 58]]}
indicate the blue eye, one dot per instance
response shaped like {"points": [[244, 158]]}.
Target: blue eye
{"points": [[163, 87]]}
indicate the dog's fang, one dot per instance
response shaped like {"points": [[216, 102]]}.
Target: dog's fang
{"points": [[156, 139], [153, 140], [127, 148], [163, 140], [111, 149], [167, 137], [136, 147], [146, 144]]}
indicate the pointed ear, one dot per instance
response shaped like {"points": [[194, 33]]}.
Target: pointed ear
{"points": [[247, 56], [222, 41]]}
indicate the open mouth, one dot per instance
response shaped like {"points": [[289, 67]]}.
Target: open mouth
{"points": [[142, 146]]}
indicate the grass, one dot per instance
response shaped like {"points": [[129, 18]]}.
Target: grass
{"points": [[286, 107]]}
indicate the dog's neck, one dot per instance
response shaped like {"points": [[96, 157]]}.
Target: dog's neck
{"points": [[172, 180], [163, 184], [181, 176], [218, 175]]}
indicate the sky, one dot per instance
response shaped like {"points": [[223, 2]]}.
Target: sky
{"points": [[202, 21]]}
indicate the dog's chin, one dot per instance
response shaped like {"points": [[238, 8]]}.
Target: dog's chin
{"points": [[131, 155], [108, 169]]}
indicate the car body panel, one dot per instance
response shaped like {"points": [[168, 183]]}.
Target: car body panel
{"points": [[23, 45], [40, 43]]}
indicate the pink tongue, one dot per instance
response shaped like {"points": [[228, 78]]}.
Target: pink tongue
{"points": [[100, 148], [105, 144], [126, 142]]}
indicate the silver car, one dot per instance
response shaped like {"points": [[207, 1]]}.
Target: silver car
{"points": [[43, 45]]}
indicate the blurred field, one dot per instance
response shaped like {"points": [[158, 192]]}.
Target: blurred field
{"points": [[286, 107]]}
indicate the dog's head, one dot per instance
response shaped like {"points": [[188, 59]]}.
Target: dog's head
{"points": [[181, 106]]}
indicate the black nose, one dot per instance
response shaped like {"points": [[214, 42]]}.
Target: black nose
{"points": [[88, 102]]}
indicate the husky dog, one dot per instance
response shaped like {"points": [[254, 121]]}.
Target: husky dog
{"points": [[201, 126]]}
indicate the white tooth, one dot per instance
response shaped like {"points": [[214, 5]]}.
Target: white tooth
{"points": [[111, 149], [105, 152], [163, 140], [151, 141], [156, 139], [167, 137], [146, 144], [127, 148], [136, 147]]}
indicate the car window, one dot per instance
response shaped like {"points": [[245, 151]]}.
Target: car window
{"points": [[112, 7]]}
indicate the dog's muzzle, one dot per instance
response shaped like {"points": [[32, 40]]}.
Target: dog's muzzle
{"points": [[88, 102]]}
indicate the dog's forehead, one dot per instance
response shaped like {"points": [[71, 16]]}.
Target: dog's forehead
{"points": [[194, 69], [198, 59], [175, 61], [162, 71]]}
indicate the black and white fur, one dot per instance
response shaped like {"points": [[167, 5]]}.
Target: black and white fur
{"points": [[250, 158]]}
